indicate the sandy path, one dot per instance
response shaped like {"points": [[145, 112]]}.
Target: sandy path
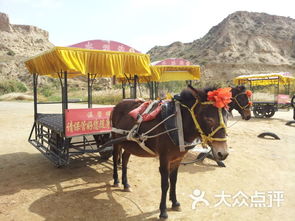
{"points": [[31, 188]]}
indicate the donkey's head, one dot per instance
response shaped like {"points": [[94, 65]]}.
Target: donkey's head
{"points": [[208, 110], [241, 101]]}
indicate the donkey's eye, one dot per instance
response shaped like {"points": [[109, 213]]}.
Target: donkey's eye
{"points": [[210, 121]]}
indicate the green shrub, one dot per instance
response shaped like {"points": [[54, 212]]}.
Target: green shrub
{"points": [[10, 86], [107, 97], [11, 53], [46, 90]]}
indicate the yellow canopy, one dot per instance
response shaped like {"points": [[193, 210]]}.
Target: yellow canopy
{"points": [[265, 79], [165, 73], [77, 61]]}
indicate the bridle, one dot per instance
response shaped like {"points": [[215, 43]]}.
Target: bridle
{"points": [[248, 105], [206, 138]]}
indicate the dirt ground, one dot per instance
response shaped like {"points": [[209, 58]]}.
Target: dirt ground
{"points": [[260, 173]]}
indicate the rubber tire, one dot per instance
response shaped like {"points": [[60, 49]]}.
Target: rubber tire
{"points": [[269, 111], [293, 101], [289, 123], [106, 153], [258, 111], [262, 135]]}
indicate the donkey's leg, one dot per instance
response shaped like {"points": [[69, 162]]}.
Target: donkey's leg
{"points": [[125, 159], [164, 170], [173, 180], [120, 156], [116, 151]]}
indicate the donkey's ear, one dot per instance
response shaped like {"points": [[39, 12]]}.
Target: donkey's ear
{"points": [[191, 87], [193, 90], [177, 97], [241, 88]]}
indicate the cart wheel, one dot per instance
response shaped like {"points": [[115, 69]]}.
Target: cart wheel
{"points": [[269, 111], [106, 153], [293, 101], [258, 111]]}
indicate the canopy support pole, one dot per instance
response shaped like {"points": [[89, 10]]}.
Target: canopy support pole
{"points": [[278, 91], [135, 79], [151, 87], [189, 82], [64, 88], [123, 90], [89, 86], [156, 90], [35, 82]]}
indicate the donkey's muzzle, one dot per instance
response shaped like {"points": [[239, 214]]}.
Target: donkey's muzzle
{"points": [[222, 156], [219, 149], [246, 114]]}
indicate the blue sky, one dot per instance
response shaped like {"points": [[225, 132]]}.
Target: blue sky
{"points": [[141, 24]]}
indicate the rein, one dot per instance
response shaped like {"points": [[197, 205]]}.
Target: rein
{"points": [[209, 137]]}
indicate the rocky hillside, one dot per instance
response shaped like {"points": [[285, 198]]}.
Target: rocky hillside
{"points": [[243, 43], [17, 43]]}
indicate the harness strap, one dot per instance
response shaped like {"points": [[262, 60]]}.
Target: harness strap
{"points": [[119, 131], [236, 100], [206, 138], [180, 128], [142, 145], [143, 137], [130, 136]]}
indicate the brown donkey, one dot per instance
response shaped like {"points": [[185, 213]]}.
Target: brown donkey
{"points": [[200, 118], [241, 102]]}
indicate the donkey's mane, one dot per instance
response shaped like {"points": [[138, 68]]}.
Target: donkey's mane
{"points": [[240, 88], [206, 90], [186, 96]]}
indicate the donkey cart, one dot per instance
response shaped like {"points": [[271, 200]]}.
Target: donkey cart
{"points": [[61, 136], [274, 83]]}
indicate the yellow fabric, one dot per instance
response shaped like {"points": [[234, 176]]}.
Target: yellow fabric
{"points": [[78, 62], [164, 73], [264, 79]]}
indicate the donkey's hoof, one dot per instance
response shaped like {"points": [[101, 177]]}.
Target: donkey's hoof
{"points": [[176, 206], [220, 164], [163, 215], [116, 185], [127, 189]]}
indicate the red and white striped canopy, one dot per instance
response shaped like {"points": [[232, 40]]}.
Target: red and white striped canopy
{"points": [[104, 45]]}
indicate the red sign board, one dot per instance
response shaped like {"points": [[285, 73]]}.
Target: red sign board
{"points": [[284, 99], [87, 121]]}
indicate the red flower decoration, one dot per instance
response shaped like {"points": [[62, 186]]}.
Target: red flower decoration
{"points": [[248, 93], [221, 97]]}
